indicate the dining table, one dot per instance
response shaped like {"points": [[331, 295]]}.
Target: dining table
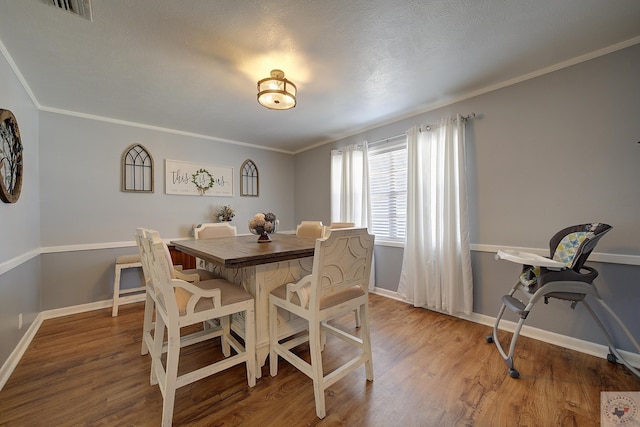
{"points": [[259, 268]]}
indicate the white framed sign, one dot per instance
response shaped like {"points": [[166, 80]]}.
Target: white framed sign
{"points": [[189, 179]]}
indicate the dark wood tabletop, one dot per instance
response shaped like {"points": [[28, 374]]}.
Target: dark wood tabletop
{"points": [[244, 251]]}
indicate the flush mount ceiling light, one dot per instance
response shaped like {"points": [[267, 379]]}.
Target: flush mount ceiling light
{"points": [[276, 92]]}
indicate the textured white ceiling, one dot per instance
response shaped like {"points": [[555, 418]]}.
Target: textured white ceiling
{"points": [[192, 65]]}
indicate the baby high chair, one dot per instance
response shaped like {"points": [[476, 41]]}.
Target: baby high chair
{"points": [[563, 276]]}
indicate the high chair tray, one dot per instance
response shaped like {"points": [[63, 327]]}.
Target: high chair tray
{"points": [[527, 258]]}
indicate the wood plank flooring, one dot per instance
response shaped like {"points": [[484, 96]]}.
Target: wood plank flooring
{"points": [[430, 370]]}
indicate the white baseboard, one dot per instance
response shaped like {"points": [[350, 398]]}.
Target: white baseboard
{"points": [[75, 309], [17, 353], [570, 343], [387, 293]]}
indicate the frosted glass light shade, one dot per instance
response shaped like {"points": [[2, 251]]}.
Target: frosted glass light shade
{"points": [[276, 92]]}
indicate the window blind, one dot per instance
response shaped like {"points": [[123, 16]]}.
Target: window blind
{"points": [[388, 188]]}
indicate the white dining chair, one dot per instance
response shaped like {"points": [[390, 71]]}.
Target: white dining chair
{"points": [[189, 275], [125, 296], [185, 304], [337, 285]]}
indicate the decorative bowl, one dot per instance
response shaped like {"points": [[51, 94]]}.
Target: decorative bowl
{"points": [[262, 225]]}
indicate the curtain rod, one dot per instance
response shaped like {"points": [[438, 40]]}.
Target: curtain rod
{"points": [[384, 140], [463, 118], [426, 128]]}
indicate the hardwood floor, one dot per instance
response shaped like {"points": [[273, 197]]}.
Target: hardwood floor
{"points": [[430, 370]]}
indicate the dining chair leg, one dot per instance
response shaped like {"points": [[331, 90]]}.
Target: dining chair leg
{"points": [[250, 345], [315, 348], [323, 337], [273, 339], [147, 324], [156, 350], [366, 340], [116, 290], [171, 375], [225, 324]]}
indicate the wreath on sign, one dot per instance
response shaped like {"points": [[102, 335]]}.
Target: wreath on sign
{"points": [[199, 178]]}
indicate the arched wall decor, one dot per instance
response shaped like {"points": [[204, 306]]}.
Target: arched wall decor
{"points": [[137, 170], [10, 158], [249, 179]]}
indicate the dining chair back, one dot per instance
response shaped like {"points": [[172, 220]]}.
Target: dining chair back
{"points": [[313, 229], [334, 226], [180, 304], [337, 285], [212, 230]]}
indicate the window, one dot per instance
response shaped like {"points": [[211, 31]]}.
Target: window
{"points": [[388, 188]]}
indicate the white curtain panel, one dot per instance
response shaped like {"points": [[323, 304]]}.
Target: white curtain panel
{"points": [[436, 268], [350, 197], [350, 185]]}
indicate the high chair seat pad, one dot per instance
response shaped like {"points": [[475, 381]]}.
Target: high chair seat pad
{"points": [[570, 245]]}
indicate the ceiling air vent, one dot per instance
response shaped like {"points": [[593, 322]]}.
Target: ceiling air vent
{"points": [[77, 7]]}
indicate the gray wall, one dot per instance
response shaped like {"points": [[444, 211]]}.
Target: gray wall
{"points": [[81, 277], [81, 198], [549, 152], [20, 240], [19, 293]]}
